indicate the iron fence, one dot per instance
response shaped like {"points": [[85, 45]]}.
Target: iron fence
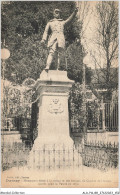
{"points": [[100, 155], [55, 157], [14, 154], [105, 117], [111, 116]]}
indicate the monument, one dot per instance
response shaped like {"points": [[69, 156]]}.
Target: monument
{"points": [[53, 87], [52, 90]]}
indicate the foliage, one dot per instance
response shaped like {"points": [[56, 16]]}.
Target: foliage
{"points": [[76, 112], [23, 24], [74, 54], [93, 110], [16, 101]]}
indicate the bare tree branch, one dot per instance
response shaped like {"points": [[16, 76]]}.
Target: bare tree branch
{"points": [[106, 38]]}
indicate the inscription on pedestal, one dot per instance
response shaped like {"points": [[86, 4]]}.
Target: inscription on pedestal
{"points": [[55, 106]]}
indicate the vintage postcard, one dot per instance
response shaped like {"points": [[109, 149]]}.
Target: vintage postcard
{"points": [[59, 94]]}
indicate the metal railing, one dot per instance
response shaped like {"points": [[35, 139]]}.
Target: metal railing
{"points": [[111, 116], [107, 119], [98, 155], [101, 155], [54, 157]]}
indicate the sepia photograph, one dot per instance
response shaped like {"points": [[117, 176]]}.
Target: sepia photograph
{"points": [[59, 94]]}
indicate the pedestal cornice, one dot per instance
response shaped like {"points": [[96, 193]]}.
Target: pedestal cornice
{"points": [[54, 78]]}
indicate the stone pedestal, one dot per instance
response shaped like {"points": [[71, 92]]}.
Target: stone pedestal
{"points": [[53, 148], [53, 120]]}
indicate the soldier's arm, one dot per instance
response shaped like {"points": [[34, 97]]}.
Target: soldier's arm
{"points": [[71, 17], [45, 34]]}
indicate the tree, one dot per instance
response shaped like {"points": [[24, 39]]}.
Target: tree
{"points": [[76, 113], [84, 16], [23, 24], [106, 44], [74, 55]]}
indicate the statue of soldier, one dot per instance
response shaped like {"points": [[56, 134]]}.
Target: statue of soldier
{"points": [[56, 41]]}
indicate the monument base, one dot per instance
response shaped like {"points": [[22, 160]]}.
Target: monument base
{"points": [[53, 118], [41, 141]]}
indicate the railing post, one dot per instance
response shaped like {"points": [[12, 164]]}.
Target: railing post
{"points": [[103, 114]]}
